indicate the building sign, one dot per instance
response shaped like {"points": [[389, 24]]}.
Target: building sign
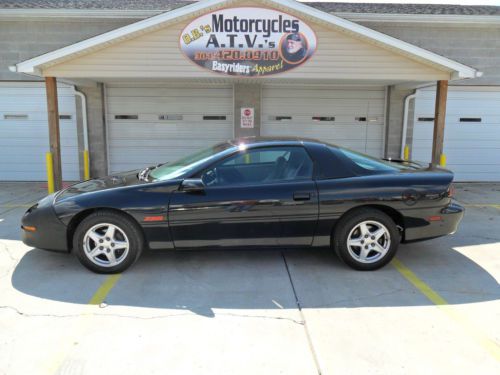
{"points": [[248, 41], [247, 118]]}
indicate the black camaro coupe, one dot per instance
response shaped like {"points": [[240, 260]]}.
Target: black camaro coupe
{"points": [[250, 192]]}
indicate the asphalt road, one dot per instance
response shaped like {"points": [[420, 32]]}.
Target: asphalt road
{"points": [[435, 309]]}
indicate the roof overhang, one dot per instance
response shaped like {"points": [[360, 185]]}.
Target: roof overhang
{"points": [[36, 65], [86, 15]]}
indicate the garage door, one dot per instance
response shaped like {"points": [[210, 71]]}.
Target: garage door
{"points": [[472, 131], [349, 117], [150, 125], [24, 134]]}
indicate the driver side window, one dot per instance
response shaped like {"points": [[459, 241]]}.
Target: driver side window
{"points": [[262, 165]]}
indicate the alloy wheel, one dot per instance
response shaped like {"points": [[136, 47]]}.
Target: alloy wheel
{"points": [[368, 242], [106, 245]]}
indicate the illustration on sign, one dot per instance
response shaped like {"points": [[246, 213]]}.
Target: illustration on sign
{"points": [[248, 41]]}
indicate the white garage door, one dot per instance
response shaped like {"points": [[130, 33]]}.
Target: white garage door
{"points": [[150, 125], [472, 131], [24, 132], [349, 117]]}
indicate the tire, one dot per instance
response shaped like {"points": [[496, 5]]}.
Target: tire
{"points": [[93, 234], [366, 247]]}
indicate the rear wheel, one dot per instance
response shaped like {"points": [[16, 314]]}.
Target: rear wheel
{"points": [[366, 239], [107, 242]]}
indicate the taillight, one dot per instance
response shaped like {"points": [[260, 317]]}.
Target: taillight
{"points": [[451, 191]]}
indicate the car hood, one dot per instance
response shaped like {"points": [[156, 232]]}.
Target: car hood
{"points": [[113, 181]]}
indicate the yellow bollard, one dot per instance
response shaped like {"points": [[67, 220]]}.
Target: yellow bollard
{"points": [[50, 172], [246, 158], [86, 165], [407, 153], [442, 160]]}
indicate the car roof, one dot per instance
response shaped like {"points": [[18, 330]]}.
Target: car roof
{"points": [[285, 140]]}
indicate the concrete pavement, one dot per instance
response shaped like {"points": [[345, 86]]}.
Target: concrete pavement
{"points": [[255, 312]]}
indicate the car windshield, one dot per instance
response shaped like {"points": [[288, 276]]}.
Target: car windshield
{"points": [[374, 164], [179, 167]]}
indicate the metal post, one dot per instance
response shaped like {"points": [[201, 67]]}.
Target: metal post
{"points": [[50, 172]]}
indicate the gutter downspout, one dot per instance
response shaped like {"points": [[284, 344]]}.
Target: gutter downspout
{"points": [[405, 123], [86, 162]]}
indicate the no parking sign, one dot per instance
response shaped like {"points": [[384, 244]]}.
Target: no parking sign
{"points": [[247, 118]]}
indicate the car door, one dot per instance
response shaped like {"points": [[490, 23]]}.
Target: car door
{"points": [[298, 207], [249, 199]]}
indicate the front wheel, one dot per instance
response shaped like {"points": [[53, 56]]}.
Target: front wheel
{"points": [[107, 242], [366, 239]]}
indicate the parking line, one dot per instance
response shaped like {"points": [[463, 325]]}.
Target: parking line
{"points": [[482, 205], [101, 293], [491, 346], [55, 364], [15, 205]]}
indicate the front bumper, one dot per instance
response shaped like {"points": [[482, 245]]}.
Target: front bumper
{"points": [[421, 228], [50, 233]]}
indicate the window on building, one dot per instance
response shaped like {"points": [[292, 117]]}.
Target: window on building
{"points": [[470, 119], [170, 117], [280, 118], [323, 118], [16, 116], [215, 117], [126, 117]]}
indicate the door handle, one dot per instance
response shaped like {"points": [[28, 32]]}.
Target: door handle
{"points": [[301, 196]]}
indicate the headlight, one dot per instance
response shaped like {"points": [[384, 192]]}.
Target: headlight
{"points": [[34, 207], [47, 201]]}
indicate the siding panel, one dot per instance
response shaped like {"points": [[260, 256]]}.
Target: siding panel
{"points": [[158, 55]]}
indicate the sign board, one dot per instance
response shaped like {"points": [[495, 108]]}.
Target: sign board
{"points": [[248, 41], [247, 118]]}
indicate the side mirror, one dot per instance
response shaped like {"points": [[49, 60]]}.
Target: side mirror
{"points": [[192, 185]]}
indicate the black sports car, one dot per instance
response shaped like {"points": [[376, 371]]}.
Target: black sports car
{"points": [[249, 192]]}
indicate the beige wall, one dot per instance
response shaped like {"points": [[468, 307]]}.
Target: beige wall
{"points": [[157, 55]]}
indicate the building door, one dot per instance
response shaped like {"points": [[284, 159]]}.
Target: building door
{"points": [[24, 132], [472, 131], [151, 124], [348, 117]]}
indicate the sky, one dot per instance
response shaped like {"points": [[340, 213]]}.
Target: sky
{"points": [[461, 2]]}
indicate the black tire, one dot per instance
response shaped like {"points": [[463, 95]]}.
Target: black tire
{"points": [[125, 224], [349, 223]]}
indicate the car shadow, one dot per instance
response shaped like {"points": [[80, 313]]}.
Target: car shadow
{"points": [[204, 281]]}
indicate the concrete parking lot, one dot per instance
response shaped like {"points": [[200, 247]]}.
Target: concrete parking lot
{"points": [[435, 309]]}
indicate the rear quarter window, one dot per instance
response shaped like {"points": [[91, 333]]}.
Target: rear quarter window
{"points": [[327, 164], [367, 164]]}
